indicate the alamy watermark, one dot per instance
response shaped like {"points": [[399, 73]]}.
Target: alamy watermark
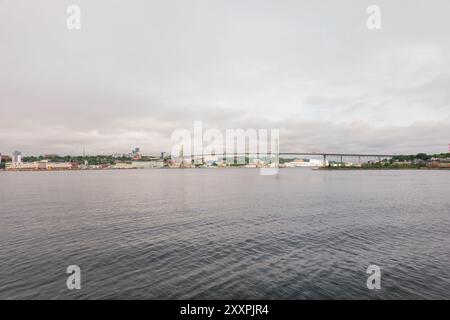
{"points": [[374, 19], [74, 280], [232, 147], [374, 280], [73, 21]]}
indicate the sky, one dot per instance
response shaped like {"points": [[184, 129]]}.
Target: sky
{"points": [[138, 70]]}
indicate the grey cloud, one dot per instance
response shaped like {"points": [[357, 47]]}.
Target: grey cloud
{"points": [[139, 70]]}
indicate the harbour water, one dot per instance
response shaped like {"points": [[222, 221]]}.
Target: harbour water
{"points": [[225, 234]]}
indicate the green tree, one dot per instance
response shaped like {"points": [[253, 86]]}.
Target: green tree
{"points": [[422, 156]]}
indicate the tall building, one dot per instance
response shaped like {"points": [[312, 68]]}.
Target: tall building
{"points": [[17, 157], [136, 154]]}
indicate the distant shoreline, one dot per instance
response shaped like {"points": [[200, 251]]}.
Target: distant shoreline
{"points": [[368, 168], [214, 168]]}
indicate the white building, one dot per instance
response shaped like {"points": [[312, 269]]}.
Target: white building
{"points": [[38, 165], [21, 166], [147, 164], [305, 163], [17, 157]]}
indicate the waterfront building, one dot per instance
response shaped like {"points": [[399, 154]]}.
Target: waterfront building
{"points": [[147, 164], [75, 165], [5, 158], [38, 165], [21, 166], [122, 165], [438, 164], [59, 166], [42, 165], [17, 157], [304, 163]]}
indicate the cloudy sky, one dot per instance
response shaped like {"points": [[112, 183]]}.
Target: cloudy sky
{"points": [[139, 69]]}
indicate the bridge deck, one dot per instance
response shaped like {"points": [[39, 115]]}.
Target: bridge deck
{"points": [[302, 154]]}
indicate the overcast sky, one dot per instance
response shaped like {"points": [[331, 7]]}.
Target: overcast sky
{"points": [[138, 70]]}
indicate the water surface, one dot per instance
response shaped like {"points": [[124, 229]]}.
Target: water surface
{"points": [[225, 234]]}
